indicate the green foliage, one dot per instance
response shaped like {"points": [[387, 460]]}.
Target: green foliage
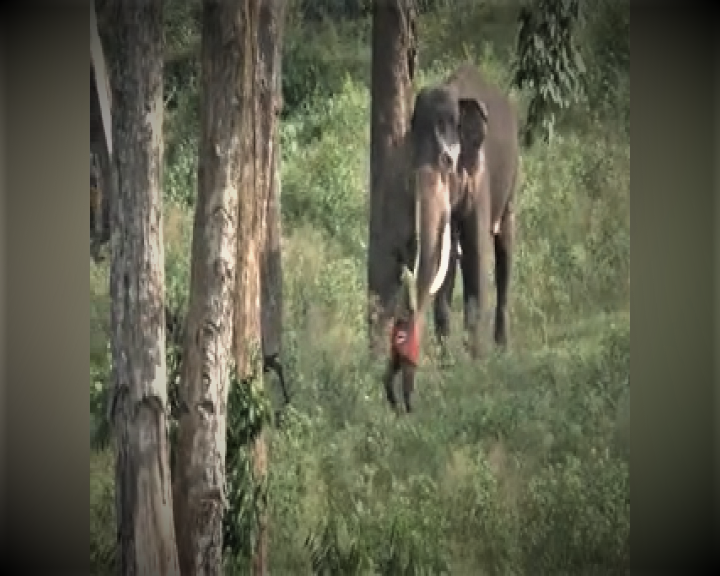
{"points": [[515, 465], [578, 515], [548, 61], [318, 58], [103, 547], [605, 45], [248, 412], [182, 131], [323, 170], [99, 354]]}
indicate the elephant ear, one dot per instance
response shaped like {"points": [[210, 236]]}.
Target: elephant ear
{"points": [[419, 108], [473, 125]]}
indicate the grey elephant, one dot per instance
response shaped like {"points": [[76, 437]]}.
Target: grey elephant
{"points": [[453, 193]]}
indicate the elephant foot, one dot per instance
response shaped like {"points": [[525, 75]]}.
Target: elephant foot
{"points": [[394, 406], [501, 332], [408, 385], [446, 358], [474, 349]]}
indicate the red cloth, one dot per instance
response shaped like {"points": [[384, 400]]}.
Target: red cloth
{"points": [[405, 341]]}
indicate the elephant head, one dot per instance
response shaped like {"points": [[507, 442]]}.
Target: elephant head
{"points": [[446, 133]]}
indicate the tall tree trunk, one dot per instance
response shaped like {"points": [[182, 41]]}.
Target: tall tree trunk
{"points": [[139, 395], [262, 51], [208, 351], [271, 278], [102, 94], [100, 140], [394, 60]]}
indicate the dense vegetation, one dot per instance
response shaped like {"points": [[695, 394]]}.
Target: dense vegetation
{"points": [[519, 465]]}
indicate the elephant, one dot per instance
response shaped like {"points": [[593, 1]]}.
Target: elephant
{"points": [[452, 198]]}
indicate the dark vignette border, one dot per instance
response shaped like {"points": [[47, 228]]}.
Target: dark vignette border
{"points": [[46, 412], [45, 409], [716, 342], [674, 519], [3, 359]]}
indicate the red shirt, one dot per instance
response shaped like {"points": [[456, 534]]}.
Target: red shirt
{"points": [[405, 341]]}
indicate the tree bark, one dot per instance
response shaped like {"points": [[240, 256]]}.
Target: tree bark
{"points": [[271, 279], [103, 188], [258, 249], [208, 350], [139, 396], [102, 92], [394, 60]]}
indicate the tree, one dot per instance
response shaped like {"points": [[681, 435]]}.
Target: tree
{"points": [[199, 491], [394, 60], [240, 59], [100, 83], [258, 245], [271, 279], [102, 180], [548, 62], [139, 391]]}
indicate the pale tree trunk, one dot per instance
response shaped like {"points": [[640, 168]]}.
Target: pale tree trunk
{"points": [[263, 21], [271, 278], [139, 395], [208, 351], [100, 140], [270, 34], [258, 239], [103, 94], [394, 60]]}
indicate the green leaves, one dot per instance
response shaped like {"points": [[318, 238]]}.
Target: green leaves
{"points": [[548, 62], [249, 411]]}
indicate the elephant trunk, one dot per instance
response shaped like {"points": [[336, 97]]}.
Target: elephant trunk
{"points": [[433, 241]]}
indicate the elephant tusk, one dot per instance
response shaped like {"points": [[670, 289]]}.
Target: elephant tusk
{"points": [[444, 259], [452, 152], [409, 277], [417, 234]]}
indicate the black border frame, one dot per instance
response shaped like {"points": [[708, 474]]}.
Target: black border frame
{"points": [[676, 281]]}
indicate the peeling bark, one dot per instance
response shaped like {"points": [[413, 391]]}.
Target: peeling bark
{"points": [[199, 490], [258, 248], [394, 60], [138, 404], [236, 173]]}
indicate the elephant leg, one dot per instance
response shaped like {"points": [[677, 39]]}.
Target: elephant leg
{"points": [[504, 240], [408, 385], [474, 236], [443, 301], [393, 367]]}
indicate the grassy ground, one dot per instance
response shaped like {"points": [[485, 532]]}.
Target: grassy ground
{"points": [[516, 465]]}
